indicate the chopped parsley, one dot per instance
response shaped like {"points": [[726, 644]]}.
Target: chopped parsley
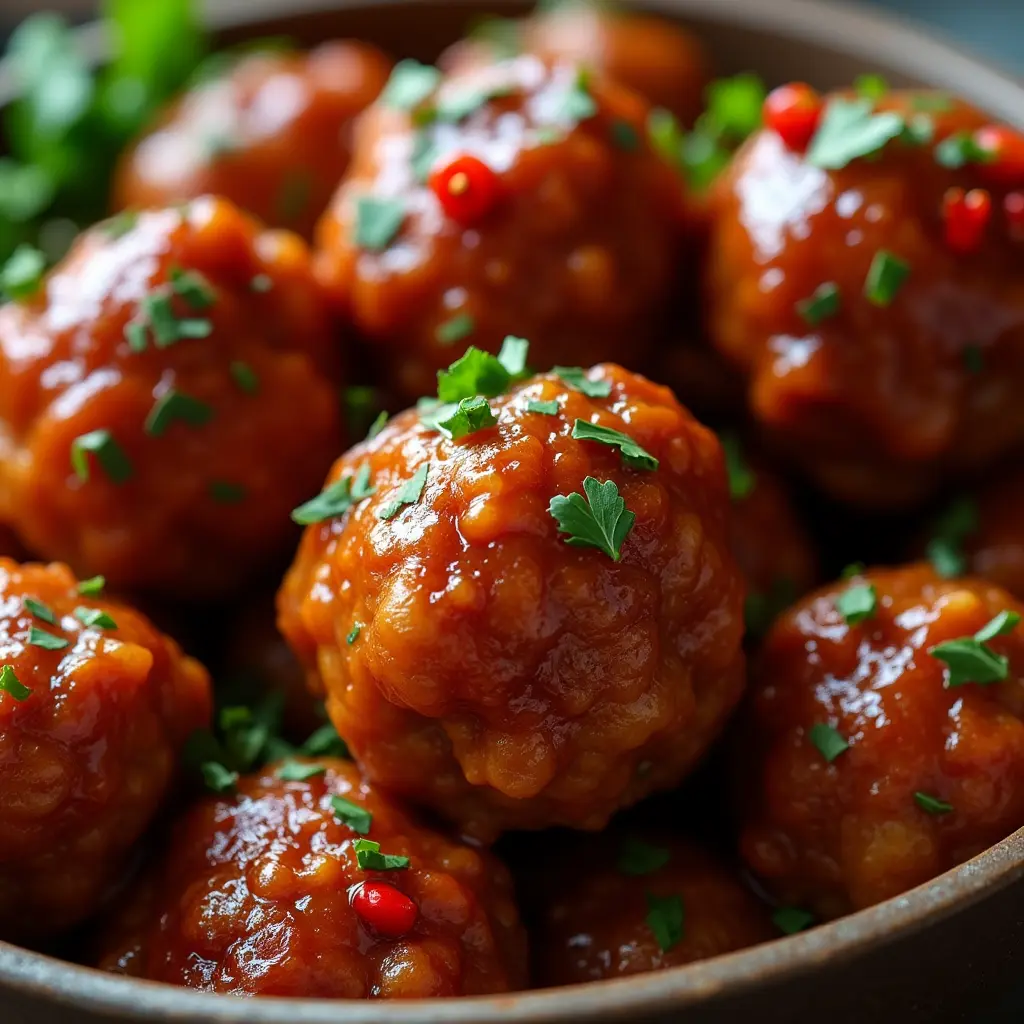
{"points": [[665, 135], [822, 304], [336, 499], [512, 355], [291, 770], [790, 920], [931, 804], [828, 741], [379, 423], [224, 492], [353, 633], [47, 641], [544, 408], [409, 85], [853, 569], [959, 149], [40, 610], [857, 603], [851, 129], [624, 135], [354, 815], [479, 374], [633, 455], [576, 378], [156, 315], [408, 494], [871, 87], [970, 660], [885, 278], [369, 857], [637, 858], [665, 918], [325, 742], [459, 327], [192, 287], [742, 479], [218, 778], [94, 618], [456, 105], [946, 547], [469, 416], [107, 452], [577, 104], [599, 520], [176, 405], [22, 275], [10, 683], [378, 221], [245, 377], [92, 587]]}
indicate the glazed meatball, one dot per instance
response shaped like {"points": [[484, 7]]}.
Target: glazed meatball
{"points": [[629, 904], [307, 882], [885, 742], [513, 198], [273, 134], [95, 705], [488, 654], [149, 395], [655, 58], [878, 318]]}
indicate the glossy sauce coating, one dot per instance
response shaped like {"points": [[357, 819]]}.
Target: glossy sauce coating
{"points": [[577, 253], [204, 504], [254, 897], [876, 401], [595, 922], [835, 837], [272, 133], [87, 757], [501, 676]]}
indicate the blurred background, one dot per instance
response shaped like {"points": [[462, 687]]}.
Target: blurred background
{"points": [[993, 27]]}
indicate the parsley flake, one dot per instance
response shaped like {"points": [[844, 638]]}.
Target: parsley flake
{"points": [[40, 610], [600, 520], [871, 87], [790, 920], [47, 641], [325, 742], [456, 329], [858, 603], [742, 479], [959, 149], [353, 633], [378, 221], [409, 85], [22, 275], [851, 129], [298, 771], [108, 453], [822, 304], [369, 857], [544, 408], [10, 683], [665, 918], [176, 405], [946, 547], [512, 355], [633, 455], [218, 778], [469, 416], [828, 741], [92, 587], [932, 804], [637, 858], [336, 499], [475, 374], [454, 105], [624, 135], [379, 423], [94, 618], [245, 377], [1005, 622], [408, 494], [193, 287], [969, 659], [354, 815], [577, 104], [576, 378], [885, 278]]}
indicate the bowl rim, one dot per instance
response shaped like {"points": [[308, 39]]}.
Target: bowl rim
{"points": [[874, 37]]}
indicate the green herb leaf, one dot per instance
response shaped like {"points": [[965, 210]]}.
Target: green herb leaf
{"points": [[456, 329], [477, 373], [742, 479], [377, 425], [40, 610], [409, 85], [10, 683], [885, 278], [176, 405], [871, 87], [22, 274], [852, 570], [544, 408], [336, 499], [408, 494], [637, 858], [91, 587], [624, 136], [576, 378], [945, 549], [245, 377], [454, 105], [353, 633], [192, 287], [378, 221], [850, 129], [369, 857], [821, 305], [354, 815], [665, 918], [40, 638], [108, 454], [94, 618], [218, 778], [857, 603], [666, 137], [224, 492], [601, 520], [469, 416], [298, 771], [577, 104], [959, 149], [512, 355], [828, 741], [932, 804], [325, 742], [735, 104], [633, 455], [971, 660], [1005, 622], [790, 920]]}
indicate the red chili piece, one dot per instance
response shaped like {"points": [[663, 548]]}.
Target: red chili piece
{"points": [[793, 112], [466, 188], [384, 908], [966, 216], [1013, 208], [1005, 147]]}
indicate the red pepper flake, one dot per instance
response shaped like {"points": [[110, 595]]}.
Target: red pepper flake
{"points": [[966, 215], [466, 188], [386, 910], [1013, 209], [1004, 148], [793, 112]]}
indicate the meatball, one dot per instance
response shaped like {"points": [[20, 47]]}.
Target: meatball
{"points": [[515, 197], [481, 662], [655, 58], [885, 741], [272, 133], [633, 904], [880, 335], [307, 882], [95, 705], [149, 394]]}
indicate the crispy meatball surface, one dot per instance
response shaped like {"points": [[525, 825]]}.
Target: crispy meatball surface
{"points": [[149, 396], [884, 394], [626, 904], [260, 894], [95, 704], [565, 229], [273, 134], [870, 764], [477, 663]]}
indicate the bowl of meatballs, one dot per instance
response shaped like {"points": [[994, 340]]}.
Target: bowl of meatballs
{"points": [[509, 515]]}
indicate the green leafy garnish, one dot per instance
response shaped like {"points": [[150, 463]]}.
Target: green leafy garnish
{"points": [[218, 778], [291, 770], [456, 329], [790, 920], [22, 274], [821, 305], [369, 857], [624, 135], [408, 494], [10, 683], [92, 587], [932, 804], [576, 378], [479, 374], [512, 355], [192, 287], [469, 416], [858, 603], [353, 633], [742, 479], [107, 452], [637, 858], [969, 659], [175, 405], [544, 408], [885, 278], [946, 547], [354, 815], [409, 85], [851, 129], [40, 610], [959, 149], [336, 499], [871, 87], [378, 221], [828, 741], [325, 742], [40, 638], [245, 377], [599, 520], [665, 918], [94, 618], [633, 455], [577, 103], [666, 136], [454, 105]]}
